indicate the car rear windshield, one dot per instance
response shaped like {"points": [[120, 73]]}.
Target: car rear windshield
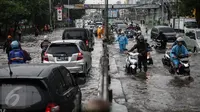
{"points": [[64, 48], [75, 35], [22, 94], [167, 30]]}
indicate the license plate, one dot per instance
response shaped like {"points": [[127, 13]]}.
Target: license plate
{"points": [[62, 58]]}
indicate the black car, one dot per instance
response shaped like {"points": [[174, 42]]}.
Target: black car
{"points": [[79, 34], [38, 88], [168, 31]]}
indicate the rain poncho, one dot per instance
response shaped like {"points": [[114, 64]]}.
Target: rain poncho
{"points": [[177, 51], [16, 56], [123, 41]]}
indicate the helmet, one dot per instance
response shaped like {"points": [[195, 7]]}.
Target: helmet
{"points": [[179, 39], [15, 45], [141, 38], [122, 32], [45, 37], [9, 36]]}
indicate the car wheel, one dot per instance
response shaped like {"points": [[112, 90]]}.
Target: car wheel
{"points": [[194, 49]]}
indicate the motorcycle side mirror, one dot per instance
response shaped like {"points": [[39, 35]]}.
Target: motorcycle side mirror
{"points": [[152, 45]]}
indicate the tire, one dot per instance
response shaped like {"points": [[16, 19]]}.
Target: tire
{"points": [[171, 70], [128, 69], [194, 49], [163, 61]]}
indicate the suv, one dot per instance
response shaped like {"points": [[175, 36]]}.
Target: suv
{"points": [[72, 54], [79, 34], [168, 31], [38, 88]]}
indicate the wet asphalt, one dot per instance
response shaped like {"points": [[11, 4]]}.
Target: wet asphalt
{"points": [[161, 92]]}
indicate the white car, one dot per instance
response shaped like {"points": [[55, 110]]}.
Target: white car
{"points": [[192, 39], [73, 54]]}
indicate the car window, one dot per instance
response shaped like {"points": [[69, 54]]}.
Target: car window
{"points": [[167, 30], [75, 34], [22, 93], [83, 46], [191, 35], [67, 77], [58, 82], [64, 48]]}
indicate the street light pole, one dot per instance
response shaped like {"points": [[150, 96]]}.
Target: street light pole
{"points": [[162, 18], [106, 18], [50, 14], [68, 14]]}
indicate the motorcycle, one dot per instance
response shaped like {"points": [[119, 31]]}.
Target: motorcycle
{"points": [[184, 65], [149, 58], [158, 47], [131, 63], [129, 33]]}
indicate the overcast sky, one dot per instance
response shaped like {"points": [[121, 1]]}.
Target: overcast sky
{"points": [[99, 1]]}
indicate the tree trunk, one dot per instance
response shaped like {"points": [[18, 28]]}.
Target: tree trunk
{"points": [[198, 16]]}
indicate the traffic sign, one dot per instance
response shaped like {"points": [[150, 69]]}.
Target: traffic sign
{"points": [[59, 14]]}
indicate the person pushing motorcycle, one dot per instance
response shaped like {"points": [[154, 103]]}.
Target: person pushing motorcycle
{"points": [[177, 52], [141, 47]]}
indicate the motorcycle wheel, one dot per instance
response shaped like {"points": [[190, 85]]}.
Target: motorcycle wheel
{"points": [[171, 70], [128, 69]]}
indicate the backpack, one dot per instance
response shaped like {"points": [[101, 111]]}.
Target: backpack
{"points": [[16, 57]]}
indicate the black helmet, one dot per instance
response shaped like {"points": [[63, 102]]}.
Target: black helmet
{"points": [[141, 38], [160, 32]]}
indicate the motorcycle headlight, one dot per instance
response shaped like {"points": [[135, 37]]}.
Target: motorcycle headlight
{"points": [[129, 32]]}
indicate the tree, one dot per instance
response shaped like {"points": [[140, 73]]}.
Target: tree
{"points": [[187, 6]]}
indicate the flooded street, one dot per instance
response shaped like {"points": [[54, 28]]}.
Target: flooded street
{"points": [[89, 87], [161, 92]]}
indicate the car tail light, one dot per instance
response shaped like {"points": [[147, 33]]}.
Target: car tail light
{"points": [[52, 107], [80, 56], [45, 58], [87, 42]]}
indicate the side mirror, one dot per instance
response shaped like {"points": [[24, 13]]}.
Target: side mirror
{"points": [[152, 45], [91, 49]]}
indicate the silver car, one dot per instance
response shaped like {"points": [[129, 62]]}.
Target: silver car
{"points": [[73, 54]]}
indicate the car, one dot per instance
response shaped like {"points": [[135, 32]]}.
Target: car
{"points": [[192, 39], [73, 54], [38, 88], [168, 31], [123, 27], [79, 34]]}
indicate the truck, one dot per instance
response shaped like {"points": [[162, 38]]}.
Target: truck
{"points": [[79, 23], [182, 24]]}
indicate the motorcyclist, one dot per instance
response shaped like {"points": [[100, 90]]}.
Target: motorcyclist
{"points": [[130, 27], [16, 56], [148, 45], [175, 43], [7, 45], [163, 39], [123, 41], [138, 28], [138, 34], [177, 52], [44, 45], [141, 47]]}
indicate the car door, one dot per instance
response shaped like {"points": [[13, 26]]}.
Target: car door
{"points": [[86, 54], [191, 40], [75, 91], [63, 91]]}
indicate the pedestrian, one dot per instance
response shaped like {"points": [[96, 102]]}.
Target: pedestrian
{"points": [[44, 45], [19, 34], [123, 41], [99, 32], [7, 45], [36, 31], [16, 55]]}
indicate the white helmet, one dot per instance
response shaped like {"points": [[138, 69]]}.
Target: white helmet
{"points": [[122, 32], [179, 39], [45, 37]]}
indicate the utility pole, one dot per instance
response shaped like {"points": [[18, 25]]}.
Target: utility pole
{"points": [[50, 14], [162, 16], [106, 19], [68, 15]]}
